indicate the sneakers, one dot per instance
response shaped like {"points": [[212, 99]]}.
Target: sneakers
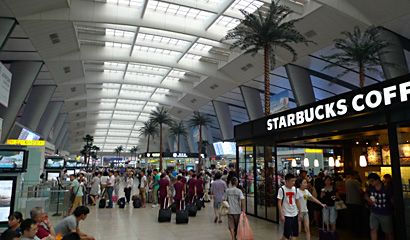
{"points": [[155, 205]]}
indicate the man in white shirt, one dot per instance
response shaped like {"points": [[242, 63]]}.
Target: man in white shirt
{"points": [[110, 188], [143, 185], [289, 207]]}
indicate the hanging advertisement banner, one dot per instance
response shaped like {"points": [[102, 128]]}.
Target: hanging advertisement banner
{"points": [[5, 84], [279, 102]]}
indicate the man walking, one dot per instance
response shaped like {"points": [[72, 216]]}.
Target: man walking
{"points": [[143, 185], [77, 190], [110, 188], [354, 196], [236, 202], [218, 189]]}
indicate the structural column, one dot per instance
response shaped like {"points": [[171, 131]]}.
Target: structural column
{"points": [[24, 74], [223, 115], [65, 139], [6, 27], [49, 117], [58, 124], [253, 104], [301, 84], [61, 135], [171, 140], [395, 55], [36, 105]]}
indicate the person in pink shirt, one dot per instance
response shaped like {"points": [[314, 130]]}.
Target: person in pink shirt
{"points": [[163, 190]]}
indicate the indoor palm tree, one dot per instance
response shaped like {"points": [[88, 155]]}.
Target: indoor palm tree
{"points": [[134, 150], [120, 149], [95, 150], [200, 120], [89, 139], [161, 116], [177, 130], [266, 31], [117, 152], [149, 130], [359, 50]]}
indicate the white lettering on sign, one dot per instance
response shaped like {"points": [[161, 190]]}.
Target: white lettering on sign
{"points": [[359, 102], [180, 155]]}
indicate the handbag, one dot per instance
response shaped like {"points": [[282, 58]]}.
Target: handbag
{"points": [[340, 205], [244, 230], [224, 206]]}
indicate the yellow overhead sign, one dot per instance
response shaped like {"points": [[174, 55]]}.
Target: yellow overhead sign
{"points": [[313, 150], [26, 142]]}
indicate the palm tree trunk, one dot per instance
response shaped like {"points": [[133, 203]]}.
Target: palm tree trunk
{"points": [[148, 145], [178, 142], [200, 149], [361, 75], [267, 82], [86, 151], [160, 147]]}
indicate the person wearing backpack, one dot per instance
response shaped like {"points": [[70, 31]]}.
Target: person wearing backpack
{"points": [[289, 207]]}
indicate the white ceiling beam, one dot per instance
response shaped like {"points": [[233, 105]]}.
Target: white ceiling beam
{"points": [[135, 39], [223, 6], [143, 8], [187, 48]]}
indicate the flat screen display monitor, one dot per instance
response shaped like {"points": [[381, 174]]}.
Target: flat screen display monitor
{"points": [[13, 160], [225, 148], [70, 172], [189, 168], [28, 135], [7, 196], [52, 176], [69, 164], [54, 162]]}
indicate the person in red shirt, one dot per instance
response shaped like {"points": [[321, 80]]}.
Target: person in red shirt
{"points": [[192, 187], [163, 190], [179, 193], [200, 186], [42, 220]]}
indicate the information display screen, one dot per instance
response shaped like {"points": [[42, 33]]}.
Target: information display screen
{"points": [[13, 160], [28, 135], [70, 172], [54, 162], [189, 168], [52, 176], [7, 190], [225, 148]]}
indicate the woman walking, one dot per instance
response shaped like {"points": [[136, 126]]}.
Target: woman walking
{"points": [[329, 195], [95, 185]]}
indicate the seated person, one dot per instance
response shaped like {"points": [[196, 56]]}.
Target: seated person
{"points": [[44, 226], [15, 220], [29, 230], [10, 234], [71, 223]]}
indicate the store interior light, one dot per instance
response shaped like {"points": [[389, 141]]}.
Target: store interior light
{"points": [[306, 162], [363, 162], [331, 162], [294, 164], [316, 163], [337, 163]]}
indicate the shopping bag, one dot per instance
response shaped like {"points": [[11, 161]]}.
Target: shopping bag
{"points": [[244, 230]]}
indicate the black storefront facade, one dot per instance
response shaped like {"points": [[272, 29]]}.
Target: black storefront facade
{"points": [[373, 121]]}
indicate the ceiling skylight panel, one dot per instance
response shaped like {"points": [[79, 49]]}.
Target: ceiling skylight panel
{"points": [[118, 33], [202, 47], [227, 21], [114, 64], [111, 85], [108, 100], [117, 45], [132, 3], [192, 56], [172, 78], [155, 50], [178, 10], [247, 5], [112, 71]]}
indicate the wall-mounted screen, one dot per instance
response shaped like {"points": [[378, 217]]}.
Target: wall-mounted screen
{"points": [[225, 148], [7, 195], [189, 168], [69, 164], [28, 135], [70, 172], [52, 176], [13, 160], [54, 162]]}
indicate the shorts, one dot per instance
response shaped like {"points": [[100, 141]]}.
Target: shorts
{"points": [[385, 221], [77, 202], [217, 205], [329, 215], [291, 227], [305, 214], [233, 221], [142, 193]]}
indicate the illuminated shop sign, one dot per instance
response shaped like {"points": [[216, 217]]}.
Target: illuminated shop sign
{"points": [[358, 103], [180, 155], [26, 142]]}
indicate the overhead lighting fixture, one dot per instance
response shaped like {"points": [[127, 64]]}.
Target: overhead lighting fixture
{"points": [[306, 162], [362, 161], [337, 162], [316, 163], [331, 162], [294, 164]]}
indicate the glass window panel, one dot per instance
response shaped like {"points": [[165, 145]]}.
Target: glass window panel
{"points": [[250, 196]]}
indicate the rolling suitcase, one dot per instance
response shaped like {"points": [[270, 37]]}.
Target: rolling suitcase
{"points": [[102, 203], [192, 209], [326, 234], [135, 197], [182, 215], [121, 202], [164, 215], [198, 203]]}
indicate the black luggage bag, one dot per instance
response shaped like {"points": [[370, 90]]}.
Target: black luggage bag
{"points": [[102, 203], [198, 203], [121, 202], [192, 209], [135, 197], [164, 215], [136, 203], [182, 215]]}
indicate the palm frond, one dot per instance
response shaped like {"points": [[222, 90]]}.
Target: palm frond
{"points": [[200, 119]]}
